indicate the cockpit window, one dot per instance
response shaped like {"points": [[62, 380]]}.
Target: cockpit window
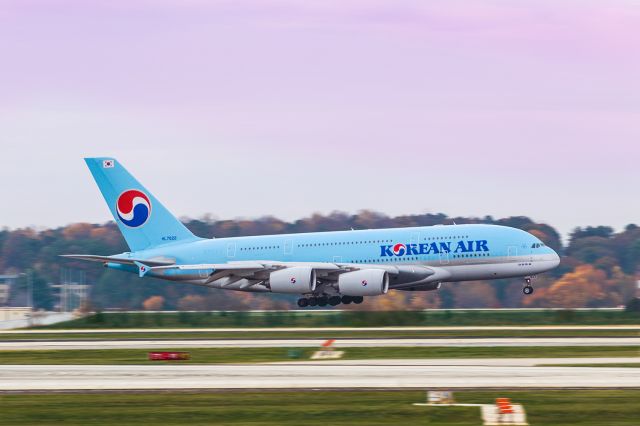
{"points": [[537, 245]]}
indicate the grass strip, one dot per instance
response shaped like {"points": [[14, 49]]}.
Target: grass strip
{"points": [[351, 318], [266, 334], [250, 355], [282, 408]]}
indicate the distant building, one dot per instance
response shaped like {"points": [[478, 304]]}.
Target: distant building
{"points": [[70, 295], [6, 284], [14, 313]]}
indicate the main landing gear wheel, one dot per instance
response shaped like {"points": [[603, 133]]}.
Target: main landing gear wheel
{"points": [[334, 300], [527, 289], [304, 302]]}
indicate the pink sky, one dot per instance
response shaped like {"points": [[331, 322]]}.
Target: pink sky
{"points": [[249, 108]]}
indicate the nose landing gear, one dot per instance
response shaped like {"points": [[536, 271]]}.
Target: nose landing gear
{"points": [[528, 288]]}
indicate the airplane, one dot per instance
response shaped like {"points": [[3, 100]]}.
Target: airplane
{"points": [[323, 268]]}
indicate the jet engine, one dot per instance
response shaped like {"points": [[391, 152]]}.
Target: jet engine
{"points": [[366, 282], [297, 279]]}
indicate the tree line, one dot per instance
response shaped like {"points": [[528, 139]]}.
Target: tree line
{"points": [[598, 267]]}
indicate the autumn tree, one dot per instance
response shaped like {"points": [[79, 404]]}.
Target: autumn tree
{"points": [[587, 286], [584, 287], [192, 302], [615, 254], [154, 303]]}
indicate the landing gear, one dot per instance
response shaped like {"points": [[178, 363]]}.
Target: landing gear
{"points": [[322, 301], [528, 288], [335, 300]]}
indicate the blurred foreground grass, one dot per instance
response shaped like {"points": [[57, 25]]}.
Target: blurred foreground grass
{"points": [[597, 407]]}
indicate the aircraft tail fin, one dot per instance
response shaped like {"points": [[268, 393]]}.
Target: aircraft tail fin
{"points": [[144, 222]]}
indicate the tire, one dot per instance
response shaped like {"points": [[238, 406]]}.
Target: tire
{"points": [[335, 300], [313, 301], [358, 300], [527, 290], [322, 301], [303, 303], [346, 299]]}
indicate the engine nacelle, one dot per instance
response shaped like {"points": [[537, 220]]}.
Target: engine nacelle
{"points": [[297, 279], [366, 282]]}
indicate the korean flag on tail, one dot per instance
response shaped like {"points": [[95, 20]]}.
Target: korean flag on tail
{"points": [[108, 164]]}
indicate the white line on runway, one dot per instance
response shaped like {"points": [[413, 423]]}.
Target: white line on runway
{"points": [[70, 377], [344, 343], [504, 362]]}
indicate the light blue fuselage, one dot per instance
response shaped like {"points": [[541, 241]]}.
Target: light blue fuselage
{"points": [[467, 252]]}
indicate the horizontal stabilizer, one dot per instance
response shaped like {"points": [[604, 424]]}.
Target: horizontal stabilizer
{"points": [[121, 260]]}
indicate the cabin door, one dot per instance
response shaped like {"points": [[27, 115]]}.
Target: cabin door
{"points": [[231, 250], [288, 247]]}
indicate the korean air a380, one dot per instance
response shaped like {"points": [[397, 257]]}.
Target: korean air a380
{"points": [[323, 268]]}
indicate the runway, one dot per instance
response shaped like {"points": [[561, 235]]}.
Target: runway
{"points": [[287, 343], [420, 374]]}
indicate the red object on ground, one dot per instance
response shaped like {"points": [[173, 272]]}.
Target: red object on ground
{"points": [[504, 405], [169, 356], [328, 343]]}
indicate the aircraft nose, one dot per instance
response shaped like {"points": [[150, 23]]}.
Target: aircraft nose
{"points": [[555, 259]]}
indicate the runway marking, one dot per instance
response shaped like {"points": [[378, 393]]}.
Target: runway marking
{"points": [[321, 376], [504, 362]]}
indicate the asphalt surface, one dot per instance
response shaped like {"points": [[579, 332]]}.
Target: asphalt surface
{"points": [[286, 343], [420, 374]]}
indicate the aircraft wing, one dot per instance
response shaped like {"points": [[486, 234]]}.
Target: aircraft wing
{"points": [[256, 271], [259, 270], [252, 269]]}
